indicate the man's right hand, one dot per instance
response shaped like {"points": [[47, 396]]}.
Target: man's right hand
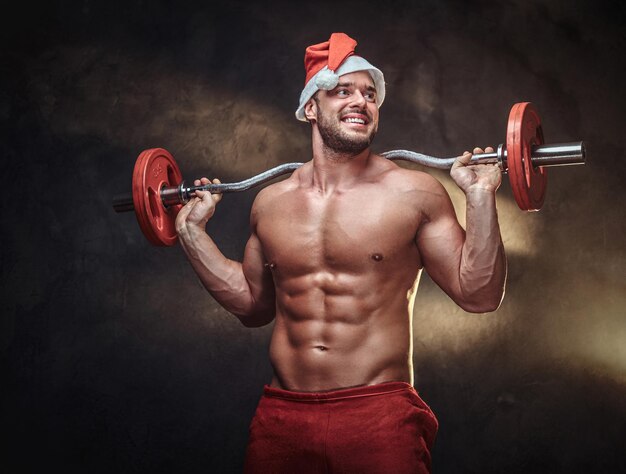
{"points": [[199, 210]]}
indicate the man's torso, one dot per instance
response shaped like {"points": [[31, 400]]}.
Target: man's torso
{"points": [[345, 268]]}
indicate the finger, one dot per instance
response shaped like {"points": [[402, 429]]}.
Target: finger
{"points": [[184, 211], [462, 160], [217, 197], [201, 205], [201, 182], [478, 150], [201, 195], [489, 149]]}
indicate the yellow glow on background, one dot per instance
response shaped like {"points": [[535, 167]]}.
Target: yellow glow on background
{"points": [[519, 229]]}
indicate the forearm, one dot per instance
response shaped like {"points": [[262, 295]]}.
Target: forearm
{"points": [[223, 278], [482, 272]]}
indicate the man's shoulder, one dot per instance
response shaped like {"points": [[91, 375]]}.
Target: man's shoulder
{"points": [[279, 188], [268, 196], [404, 179]]}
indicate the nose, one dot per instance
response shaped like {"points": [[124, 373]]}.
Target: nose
{"points": [[358, 99]]}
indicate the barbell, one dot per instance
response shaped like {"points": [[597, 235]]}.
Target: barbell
{"points": [[158, 190]]}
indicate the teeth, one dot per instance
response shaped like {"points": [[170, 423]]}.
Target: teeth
{"points": [[354, 120]]}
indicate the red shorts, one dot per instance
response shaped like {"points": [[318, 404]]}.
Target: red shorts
{"points": [[384, 428]]}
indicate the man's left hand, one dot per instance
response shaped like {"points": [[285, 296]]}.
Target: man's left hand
{"points": [[475, 177]]}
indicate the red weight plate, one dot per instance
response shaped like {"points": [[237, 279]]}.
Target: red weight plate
{"points": [[154, 169], [523, 131]]}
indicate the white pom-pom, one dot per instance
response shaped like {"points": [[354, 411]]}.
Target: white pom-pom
{"points": [[326, 79]]}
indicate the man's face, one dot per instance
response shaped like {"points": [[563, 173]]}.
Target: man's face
{"points": [[347, 116]]}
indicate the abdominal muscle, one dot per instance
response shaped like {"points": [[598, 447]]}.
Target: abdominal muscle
{"points": [[336, 331]]}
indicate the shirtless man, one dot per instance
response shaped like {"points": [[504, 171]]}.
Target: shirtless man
{"points": [[334, 260]]}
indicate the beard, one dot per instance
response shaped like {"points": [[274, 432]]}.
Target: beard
{"points": [[340, 140]]}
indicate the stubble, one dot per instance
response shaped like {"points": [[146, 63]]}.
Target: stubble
{"points": [[339, 140]]}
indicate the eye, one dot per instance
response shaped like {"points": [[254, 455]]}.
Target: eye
{"points": [[343, 93], [370, 96]]}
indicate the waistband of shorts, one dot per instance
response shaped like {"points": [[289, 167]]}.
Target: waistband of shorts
{"points": [[340, 394]]}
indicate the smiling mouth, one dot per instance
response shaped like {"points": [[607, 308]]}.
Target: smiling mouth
{"points": [[356, 119]]}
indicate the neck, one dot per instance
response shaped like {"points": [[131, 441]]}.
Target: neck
{"points": [[332, 169]]}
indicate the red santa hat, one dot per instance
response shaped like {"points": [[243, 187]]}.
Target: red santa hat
{"points": [[325, 62]]}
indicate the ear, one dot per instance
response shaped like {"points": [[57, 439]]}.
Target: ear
{"points": [[310, 110]]}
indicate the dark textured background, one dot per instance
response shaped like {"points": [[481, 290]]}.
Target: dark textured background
{"points": [[113, 357]]}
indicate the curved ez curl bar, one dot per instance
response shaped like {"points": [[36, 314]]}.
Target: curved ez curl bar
{"points": [[158, 190]]}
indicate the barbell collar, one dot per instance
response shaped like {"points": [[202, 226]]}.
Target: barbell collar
{"points": [[172, 195]]}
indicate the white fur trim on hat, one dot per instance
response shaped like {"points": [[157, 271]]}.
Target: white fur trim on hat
{"points": [[328, 80]]}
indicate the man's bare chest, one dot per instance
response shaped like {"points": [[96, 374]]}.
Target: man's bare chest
{"points": [[346, 232]]}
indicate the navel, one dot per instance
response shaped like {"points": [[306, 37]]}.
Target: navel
{"points": [[377, 257]]}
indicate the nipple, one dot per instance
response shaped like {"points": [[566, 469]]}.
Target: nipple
{"points": [[377, 257]]}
